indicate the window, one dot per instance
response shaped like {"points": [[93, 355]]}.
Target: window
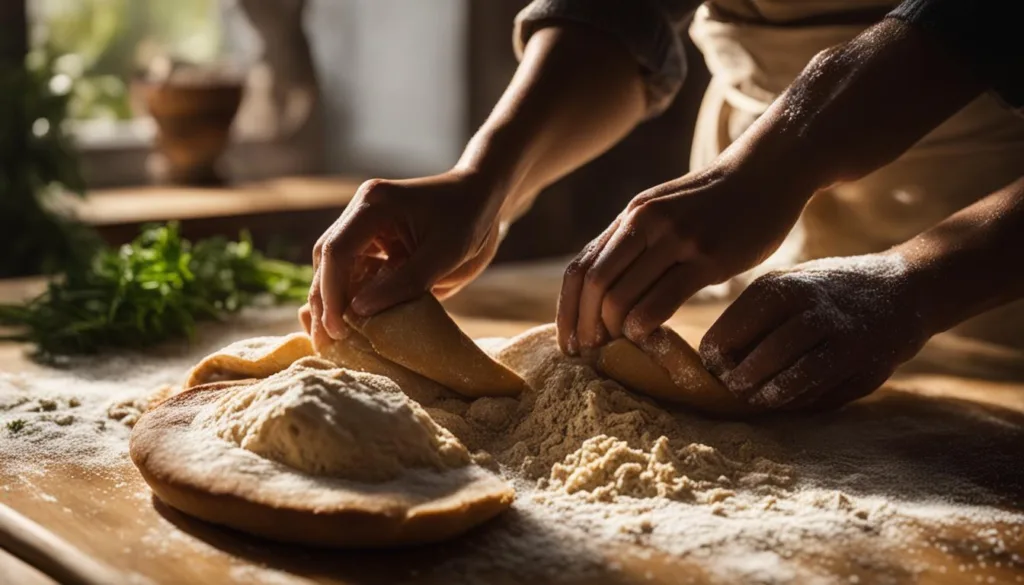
{"points": [[100, 45]]}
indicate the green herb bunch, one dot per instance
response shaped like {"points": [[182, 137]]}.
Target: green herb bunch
{"points": [[154, 289]]}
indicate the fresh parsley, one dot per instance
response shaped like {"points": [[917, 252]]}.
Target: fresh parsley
{"points": [[154, 289]]}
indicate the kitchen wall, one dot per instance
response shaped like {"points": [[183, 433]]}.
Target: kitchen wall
{"points": [[393, 76]]}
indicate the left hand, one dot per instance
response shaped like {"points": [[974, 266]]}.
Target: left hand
{"points": [[818, 335]]}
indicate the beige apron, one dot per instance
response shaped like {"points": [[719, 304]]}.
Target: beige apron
{"points": [[975, 152]]}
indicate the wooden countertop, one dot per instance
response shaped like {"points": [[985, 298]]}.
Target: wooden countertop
{"points": [[105, 516], [136, 205]]}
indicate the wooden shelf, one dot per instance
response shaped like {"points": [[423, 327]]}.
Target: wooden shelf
{"points": [[137, 205]]}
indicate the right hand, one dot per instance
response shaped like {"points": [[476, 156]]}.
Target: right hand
{"points": [[399, 239], [670, 242]]}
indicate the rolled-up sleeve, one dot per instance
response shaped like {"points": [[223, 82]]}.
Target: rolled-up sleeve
{"points": [[650, 29], [985, 33]]}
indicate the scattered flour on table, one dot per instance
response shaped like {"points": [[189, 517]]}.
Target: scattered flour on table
{"points": [[599, 470]]}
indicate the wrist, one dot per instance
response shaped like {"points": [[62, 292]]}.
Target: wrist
{"points": [[941, 298], [495, 163]]}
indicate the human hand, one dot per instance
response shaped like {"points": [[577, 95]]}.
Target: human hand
{"points": [[398, 239], [818, 335], [670, 242]]}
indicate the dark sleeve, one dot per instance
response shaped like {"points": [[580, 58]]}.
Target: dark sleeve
{"points": [[650, 29], [987, 34]]}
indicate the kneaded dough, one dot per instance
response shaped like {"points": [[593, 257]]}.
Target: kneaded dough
{"points": [[667, 368], [257, 357], [354, 352], [316, 455], [420, 336], [325, 420]]}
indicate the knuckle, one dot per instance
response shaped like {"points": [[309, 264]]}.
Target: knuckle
{"points": [[575, 269], [331, 249], [374, 190], [597, 276]]}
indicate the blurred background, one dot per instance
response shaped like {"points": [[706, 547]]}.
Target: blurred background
{"points": [[265, 115]]}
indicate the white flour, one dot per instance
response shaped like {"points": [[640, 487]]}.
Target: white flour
{"points": [[328, 421], [602, 474]]}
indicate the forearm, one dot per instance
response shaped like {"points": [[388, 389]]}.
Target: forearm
{"points": [[855, 108], [971, 262], [576, 93]]}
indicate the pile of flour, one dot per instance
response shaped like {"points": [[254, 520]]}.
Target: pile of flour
{"points": [[324, 420], [603, 474]]}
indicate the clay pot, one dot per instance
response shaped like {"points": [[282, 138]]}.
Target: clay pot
{"points": [[193, 121]]}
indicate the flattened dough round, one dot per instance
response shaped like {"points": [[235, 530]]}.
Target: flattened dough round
{"points": [[217, 481], [420, 336], [667, 368], [258, 357]]}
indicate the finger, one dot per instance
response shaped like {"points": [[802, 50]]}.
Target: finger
{"points": [[810, 398], [777, 351], [614, 258], [760, 309], [397, 283], [316, 309], [659, 303], [630, 288], [337, 261], [305, 317], [853, 389], [817, 371], [364, 269], [569, 296]]}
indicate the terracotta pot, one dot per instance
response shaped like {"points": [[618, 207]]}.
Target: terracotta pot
{"points": [[193, 126]]}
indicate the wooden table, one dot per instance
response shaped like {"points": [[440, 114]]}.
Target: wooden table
{"points": [[112, 517]]}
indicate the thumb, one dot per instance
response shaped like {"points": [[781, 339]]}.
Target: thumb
{"points": [[398, 283]]}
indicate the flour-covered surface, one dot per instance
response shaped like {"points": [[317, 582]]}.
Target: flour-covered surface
{"points": [[920, 483]]}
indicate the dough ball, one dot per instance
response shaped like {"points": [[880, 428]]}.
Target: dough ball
{"points": [[329, 421]]}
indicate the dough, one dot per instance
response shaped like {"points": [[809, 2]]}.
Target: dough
{"points": [[258, 357], [422, 337], [315, 455], [667, 368], [355, 353], [324, 420]]}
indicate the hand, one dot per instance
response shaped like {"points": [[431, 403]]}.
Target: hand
{"points": [[820, 334], [670, 242], [399, 239]]}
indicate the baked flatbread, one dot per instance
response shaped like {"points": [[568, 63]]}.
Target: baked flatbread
{"points": [[217, 481]]}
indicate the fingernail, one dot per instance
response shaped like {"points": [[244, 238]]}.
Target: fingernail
{"points": [[360, 305], [632, 329], [332, 328]]}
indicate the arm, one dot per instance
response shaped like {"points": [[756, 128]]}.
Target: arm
{"points": [[970, 262], [585, 80], [576, 93], [830, 331], [853, 109], [827, 332]]}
